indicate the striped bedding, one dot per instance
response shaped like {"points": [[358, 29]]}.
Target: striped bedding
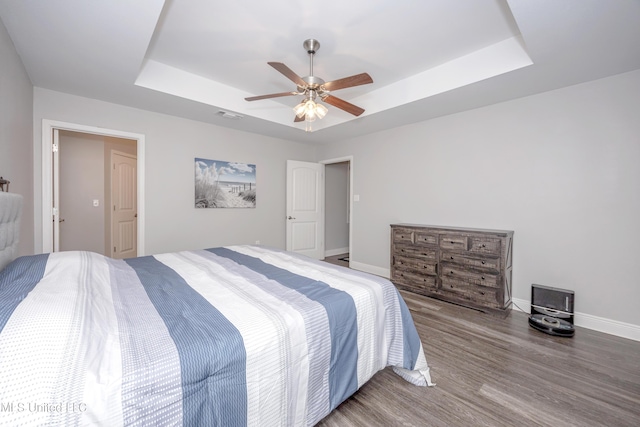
{"points": [[230, 336]]}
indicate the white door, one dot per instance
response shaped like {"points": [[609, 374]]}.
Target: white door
{"points": [[124, 214], [305, 208], [56, 190]]}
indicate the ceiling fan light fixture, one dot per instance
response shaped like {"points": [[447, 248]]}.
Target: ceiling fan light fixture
{"points": [[310, 110]]}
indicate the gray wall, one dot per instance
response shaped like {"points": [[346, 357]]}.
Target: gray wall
{"points": [[81, 174], [560, 168], [171, 145], [16, 127]]}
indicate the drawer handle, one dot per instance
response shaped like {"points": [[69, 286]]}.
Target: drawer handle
{"points": [[452, 242], [483, 246], [483, 263], [451, 286], [482, 277], [451, 257], [481, 292], [451, 272]]}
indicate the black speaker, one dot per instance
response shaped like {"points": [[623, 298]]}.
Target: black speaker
{"points": [[552, 310]]}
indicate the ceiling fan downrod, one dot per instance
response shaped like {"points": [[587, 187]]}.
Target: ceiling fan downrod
{"points": [[311, 46]]}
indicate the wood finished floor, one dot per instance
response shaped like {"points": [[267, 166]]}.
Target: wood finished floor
{"points": [[501, 372]]}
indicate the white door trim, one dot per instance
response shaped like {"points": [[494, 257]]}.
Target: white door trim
{"points": [[350, 160], [47, 174]]}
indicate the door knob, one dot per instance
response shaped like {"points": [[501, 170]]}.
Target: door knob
{"points": [[290, 217]]}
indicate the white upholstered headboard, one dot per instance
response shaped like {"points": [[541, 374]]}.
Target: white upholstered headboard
{"points": [[10, 212]]}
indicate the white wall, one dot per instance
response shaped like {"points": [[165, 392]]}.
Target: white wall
{"points": [[171, 144], [16, 109], [561, 169]]}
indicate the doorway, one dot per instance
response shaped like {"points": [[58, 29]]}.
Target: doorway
{"points": [[338, 208], [113, 140], [308, 193]]}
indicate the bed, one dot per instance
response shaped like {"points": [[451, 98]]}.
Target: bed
{"points": [[237, 335]]}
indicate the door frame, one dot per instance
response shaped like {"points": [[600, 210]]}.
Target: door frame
{"points": [[47, 175], [341, 160]]}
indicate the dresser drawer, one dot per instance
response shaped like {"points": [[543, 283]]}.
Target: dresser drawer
{"points": [[469, 277], [402, 235], [471, 261], [413, 280], [454, 241], [485, 245], [426, 238], [415, 251], [418, 264], [476, 294]]}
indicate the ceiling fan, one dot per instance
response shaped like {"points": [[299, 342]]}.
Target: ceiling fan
{"points": [[313, 87]]}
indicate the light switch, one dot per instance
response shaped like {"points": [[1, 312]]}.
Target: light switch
{"points": [[356, 198], [96, 203]]}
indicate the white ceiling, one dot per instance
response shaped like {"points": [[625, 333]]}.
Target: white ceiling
{"points": [[428, 58]]}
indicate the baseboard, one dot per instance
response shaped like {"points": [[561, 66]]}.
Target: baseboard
{"points": [[378, 271], [601, 324], [333, 252]]}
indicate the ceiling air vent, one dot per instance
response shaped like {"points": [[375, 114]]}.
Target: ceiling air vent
{"points": [[229, 115]]}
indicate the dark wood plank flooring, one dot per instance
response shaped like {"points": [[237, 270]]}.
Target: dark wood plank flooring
{"points": [[501, 372]]}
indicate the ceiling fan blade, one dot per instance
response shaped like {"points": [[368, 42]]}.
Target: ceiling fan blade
{"points": [[343, 105], [288, 73], [272, 95], [355, 80], [298, 119]]}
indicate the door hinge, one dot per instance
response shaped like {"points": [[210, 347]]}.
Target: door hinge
{"points": [[54, 148], [114, 249]]}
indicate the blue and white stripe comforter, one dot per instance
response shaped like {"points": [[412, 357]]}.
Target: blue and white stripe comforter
{"points": [[239, 335]]}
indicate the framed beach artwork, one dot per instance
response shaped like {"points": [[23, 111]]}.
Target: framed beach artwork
{"points": [[221, 184]]}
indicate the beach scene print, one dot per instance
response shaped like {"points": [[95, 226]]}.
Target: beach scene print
{"points": [[221, 184]]}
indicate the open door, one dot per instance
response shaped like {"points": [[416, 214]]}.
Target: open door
{"points": [[55, 157], [305, 208]]}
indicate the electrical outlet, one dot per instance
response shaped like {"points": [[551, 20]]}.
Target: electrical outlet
{"points": [[257, 242]]}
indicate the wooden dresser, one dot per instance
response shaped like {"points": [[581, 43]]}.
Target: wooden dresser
{"points": [[466, 266]]}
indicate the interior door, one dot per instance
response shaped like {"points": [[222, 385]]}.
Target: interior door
{"points": [[124, 215], [305, 208], [55, 211]]}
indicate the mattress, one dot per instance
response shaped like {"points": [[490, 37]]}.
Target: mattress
{"points": [[229, 336]]}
